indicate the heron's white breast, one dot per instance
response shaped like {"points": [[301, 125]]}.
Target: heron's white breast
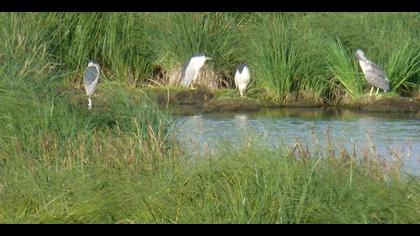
{"points": [[244, 76]]}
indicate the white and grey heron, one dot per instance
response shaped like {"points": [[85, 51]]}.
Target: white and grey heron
{"points": [[242, 78], [191, 70], [373, 73], [91, 78]]}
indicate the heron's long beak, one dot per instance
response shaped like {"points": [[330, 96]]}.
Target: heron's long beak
{"points": [[208, 58]]}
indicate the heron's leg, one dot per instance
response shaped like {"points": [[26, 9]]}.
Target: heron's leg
{"points": [[192, 86], [371, 89], [90, 103], [241, 92], [377, 90]]}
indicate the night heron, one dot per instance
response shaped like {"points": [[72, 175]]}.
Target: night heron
{"points": [[373, 73], [191, 70], [91, 78], [242, 78]]}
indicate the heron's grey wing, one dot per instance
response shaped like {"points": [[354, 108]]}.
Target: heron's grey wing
{"points": [[90, 79], [188, 75], [377, 78], [376, 68]]}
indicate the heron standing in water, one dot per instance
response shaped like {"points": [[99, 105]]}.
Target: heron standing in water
{"points": [[191, 70], [91, 78], [242, 78], [373, 73]]}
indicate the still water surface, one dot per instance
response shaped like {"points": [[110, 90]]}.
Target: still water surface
{"points": [[354, 131]]}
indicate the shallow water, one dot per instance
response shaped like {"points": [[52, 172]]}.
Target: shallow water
{"points": [[354, 131]]}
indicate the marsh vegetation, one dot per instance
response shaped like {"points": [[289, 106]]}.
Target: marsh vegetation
{"points": [[120, 163]]}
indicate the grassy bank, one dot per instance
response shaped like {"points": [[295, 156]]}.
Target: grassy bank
{"points": [[290, 54]]}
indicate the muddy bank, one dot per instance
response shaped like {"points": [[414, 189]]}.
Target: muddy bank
{"points": [[393, 105], [182, 97], [389, 104], [187, 102], [231, 104], [181, 101]]}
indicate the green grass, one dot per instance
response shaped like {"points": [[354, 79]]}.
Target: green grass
{"points": [[403, 67], [285, 56], [242, 186], [343, 69], [176, 37]]}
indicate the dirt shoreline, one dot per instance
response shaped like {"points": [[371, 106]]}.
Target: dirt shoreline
{"points": [[201, 100]]}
